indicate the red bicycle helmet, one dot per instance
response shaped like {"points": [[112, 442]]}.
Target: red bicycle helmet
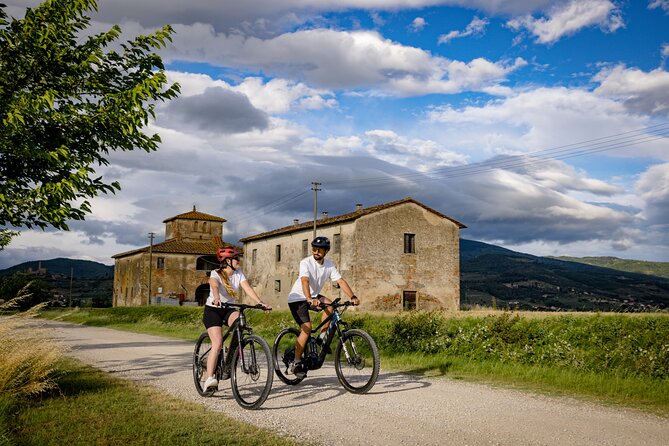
{"points": [[226, 253]]}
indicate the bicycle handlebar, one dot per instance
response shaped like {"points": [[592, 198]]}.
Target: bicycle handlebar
{"points": [[246, 306], [334, 304]]}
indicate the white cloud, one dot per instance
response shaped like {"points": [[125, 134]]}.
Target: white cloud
{"points": [[417, 24], [537, 120], [475, 28], [341, 146], [558, 176], [644, 92], [342, 59], [663, 4], [455, 77], [653, 187], [275, 96], [567, 18], [417, 154]]}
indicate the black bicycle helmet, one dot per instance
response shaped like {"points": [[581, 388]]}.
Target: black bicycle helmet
{"points": [[321, 242]]}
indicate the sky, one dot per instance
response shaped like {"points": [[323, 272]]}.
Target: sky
{"points": [[542, 125]]}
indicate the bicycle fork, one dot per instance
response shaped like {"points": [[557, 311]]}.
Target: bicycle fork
{"points": [[342, 333]]}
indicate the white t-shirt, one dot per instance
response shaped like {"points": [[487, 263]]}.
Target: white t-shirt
{"points": [[317, 274], [235, 281]]}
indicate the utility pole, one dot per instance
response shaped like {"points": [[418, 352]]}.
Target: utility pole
{"points": [[71, 275], [314, 187], [151, 235]]}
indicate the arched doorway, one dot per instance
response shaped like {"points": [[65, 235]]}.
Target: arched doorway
{"points": [[201, 294]]}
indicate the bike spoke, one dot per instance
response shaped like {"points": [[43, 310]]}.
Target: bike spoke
{"points": [[200, 355], [284, 354], [252, 373], [357, 361]]}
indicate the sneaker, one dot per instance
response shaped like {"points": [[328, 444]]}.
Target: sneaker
{"points": [[297, 369], [211, 382]]}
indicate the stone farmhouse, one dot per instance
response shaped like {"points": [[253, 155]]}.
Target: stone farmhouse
{"points": [[177, 269], [398, 255]]}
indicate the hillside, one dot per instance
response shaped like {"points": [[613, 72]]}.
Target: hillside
{"points": [[80, 269], [489, 276], [660, 269], [85, 282], [493, 276]]}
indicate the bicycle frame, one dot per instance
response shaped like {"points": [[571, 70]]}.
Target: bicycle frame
{"points": [[238, 330], [336, 324]]}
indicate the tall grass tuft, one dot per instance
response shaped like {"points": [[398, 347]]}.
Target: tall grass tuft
{"points": [[28, 360]]}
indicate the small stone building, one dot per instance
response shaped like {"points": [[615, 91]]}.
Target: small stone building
{"points": [[177, 268], [398, 255]]}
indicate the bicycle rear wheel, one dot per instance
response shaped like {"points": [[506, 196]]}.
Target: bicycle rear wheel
{"points": [[200, 355], [284, 354], [357, 361], [251, 379]]}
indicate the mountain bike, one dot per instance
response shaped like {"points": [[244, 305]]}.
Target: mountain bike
{"points": [[356, 357], [250, 367]]}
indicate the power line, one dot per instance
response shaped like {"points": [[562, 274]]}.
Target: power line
{"points": [[602, 144], [582, 148]]}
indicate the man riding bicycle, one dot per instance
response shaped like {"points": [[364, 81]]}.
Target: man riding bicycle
{"points": [[314, 272]]}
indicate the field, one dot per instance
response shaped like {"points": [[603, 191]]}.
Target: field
{"points": [[616, 359]]}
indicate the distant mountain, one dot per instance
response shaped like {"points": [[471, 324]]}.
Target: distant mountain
{"points": [[660, 269], [72, 281], [494, 276], [489, 276], [79, 269]]}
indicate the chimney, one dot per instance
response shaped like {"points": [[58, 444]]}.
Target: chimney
{"points": [[325, 215], [358, 206], [296, 221]]}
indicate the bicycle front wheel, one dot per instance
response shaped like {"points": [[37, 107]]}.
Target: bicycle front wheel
{"points": [[357, 361], [284, 355], [200, 355], [251, 377]]}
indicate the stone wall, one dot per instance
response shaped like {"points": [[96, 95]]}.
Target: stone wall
{"points": [[371, 259]]}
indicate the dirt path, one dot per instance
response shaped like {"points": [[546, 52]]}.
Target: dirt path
{"points": [[400, 409]]}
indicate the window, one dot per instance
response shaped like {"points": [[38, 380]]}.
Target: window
{"points": [[277, 286], [337, 243], [409, 300], [277, 253], [254, 255], [305, 248], [160, 262], [409, 243]]}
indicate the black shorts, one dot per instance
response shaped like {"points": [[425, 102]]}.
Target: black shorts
{"points": [[300, 311], [216, 317]]}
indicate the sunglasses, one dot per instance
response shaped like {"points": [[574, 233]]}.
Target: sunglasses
{"points": [[237, 258]]}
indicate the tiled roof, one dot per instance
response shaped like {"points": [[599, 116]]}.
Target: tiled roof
{"points": [[346, 217], [177, 246], [195, 215]]}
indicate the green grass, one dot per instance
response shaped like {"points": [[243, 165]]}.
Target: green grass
{"points": [[620, 359], [647, 394], [92, 407]]}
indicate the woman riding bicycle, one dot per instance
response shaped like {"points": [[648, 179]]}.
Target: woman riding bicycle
{"points": [[224, 283]]}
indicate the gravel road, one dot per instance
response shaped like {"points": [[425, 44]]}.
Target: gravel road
{"points": [[399, 410]]}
